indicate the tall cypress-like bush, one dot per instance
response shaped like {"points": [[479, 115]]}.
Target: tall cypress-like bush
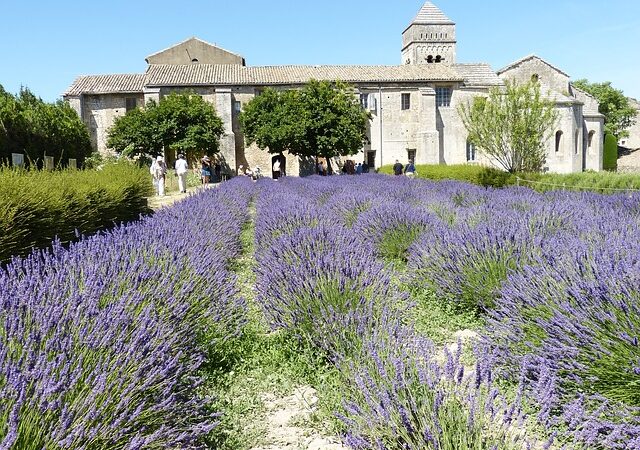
{"points": [[610, 159]]}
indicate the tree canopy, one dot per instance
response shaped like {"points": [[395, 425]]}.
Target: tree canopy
{"points": [[30, 126], [511, 126], [321, 119], [181, 122], [618, 113]]}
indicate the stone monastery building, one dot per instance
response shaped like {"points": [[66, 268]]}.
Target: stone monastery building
{"points": [[413, 105]]}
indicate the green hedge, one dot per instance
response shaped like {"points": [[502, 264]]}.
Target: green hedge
{"points": [[604, 182], [37, 206], [610, 157]]}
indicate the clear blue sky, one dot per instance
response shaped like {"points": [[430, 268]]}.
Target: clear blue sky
{"points": [[45, 44]]}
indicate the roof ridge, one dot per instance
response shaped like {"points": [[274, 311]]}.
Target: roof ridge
{"points": [[431, 14], [190, 39], [528, 57]]}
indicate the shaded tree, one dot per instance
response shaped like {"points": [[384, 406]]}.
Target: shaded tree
{"points": [[511, 126], [618, 113], [321, 119], [36, 128], [181, 122]]}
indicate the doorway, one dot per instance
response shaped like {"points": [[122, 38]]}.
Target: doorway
{"points": [[278, 162], [371, 159]]}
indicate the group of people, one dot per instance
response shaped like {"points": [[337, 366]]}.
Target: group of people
{"points": [[409, 170], [209, 169], [159, 171], [351, 168], [254, 174]]}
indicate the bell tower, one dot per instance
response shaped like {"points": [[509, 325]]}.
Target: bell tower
{"points": [[430, 38]]}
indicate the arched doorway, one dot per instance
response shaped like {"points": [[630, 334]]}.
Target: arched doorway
{"points": [[282, 165]]}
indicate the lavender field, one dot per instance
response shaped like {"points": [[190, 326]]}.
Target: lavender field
{"points": [[427, 316]]}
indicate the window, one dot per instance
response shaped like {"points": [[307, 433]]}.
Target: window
{"points": [[535, 78], [364, 101], [471, 152], [237, 107], [430, 59], [590, 139], [438, 58], [411, 155], [195, 60], [406, 101], [130, 103], [371, 159], [443, 96], [577, 135], [558, 141]]}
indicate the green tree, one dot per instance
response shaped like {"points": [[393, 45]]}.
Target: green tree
{"points": [[618, 113], [321, 119], [511, 126], [31, 126], [181, 122]]}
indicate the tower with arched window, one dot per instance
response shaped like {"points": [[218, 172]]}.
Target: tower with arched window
{"points": [[430, 38]]}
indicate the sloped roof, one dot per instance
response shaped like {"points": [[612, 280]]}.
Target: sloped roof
{"points": [[234, 75], [478, 75], [430, 14], [106, 84], [528, 58], [193, 38]]}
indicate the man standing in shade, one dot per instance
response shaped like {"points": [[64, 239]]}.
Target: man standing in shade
{"points": [[181, 171], [397, 168]]}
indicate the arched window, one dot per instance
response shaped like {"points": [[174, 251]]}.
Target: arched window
{"points": [[535, 78], [590, 138], [471, 152], [195, 60], [438, 58], [430, 58], [577, 147], [558, 141]]}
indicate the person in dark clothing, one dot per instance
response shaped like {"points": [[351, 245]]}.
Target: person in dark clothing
{"points": [[365, 167], [397, 168]]}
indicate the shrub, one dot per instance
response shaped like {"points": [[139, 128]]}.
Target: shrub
{"points": [[101, 342], [38, 206], [610, 157]]}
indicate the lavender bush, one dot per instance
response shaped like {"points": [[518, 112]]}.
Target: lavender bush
{"points": [[102, 341]]}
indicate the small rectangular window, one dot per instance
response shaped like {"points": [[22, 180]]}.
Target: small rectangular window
{"points": [[443, 96], [237, 107], [364, 101], [131, 103], [406, 101], [471, 152], [411, 155]]}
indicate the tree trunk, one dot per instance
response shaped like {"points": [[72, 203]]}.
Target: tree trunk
{"points": [[329, 169]]}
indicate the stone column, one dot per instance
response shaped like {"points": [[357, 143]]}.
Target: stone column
{"points": [[151, 94], [224, 110], [428, 151], [76, 103]]}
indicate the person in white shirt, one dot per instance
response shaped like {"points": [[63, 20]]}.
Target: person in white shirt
{"points": [[158, 171], [276, 169], [181, 171]]}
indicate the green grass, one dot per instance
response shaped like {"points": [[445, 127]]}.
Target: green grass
{"points": [[602, 182], [259, 362]]}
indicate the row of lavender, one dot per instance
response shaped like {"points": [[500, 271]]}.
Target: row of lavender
{"points": [[320, 278], [101, 342], [556, 275]]}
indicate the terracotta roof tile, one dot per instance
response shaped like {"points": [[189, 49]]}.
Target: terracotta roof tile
{"points": [[106, 84]]}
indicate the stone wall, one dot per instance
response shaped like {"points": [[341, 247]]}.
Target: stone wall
{"points": [[549, 78], [420, 41], [99, 113], [195, 51], [633, 141]]}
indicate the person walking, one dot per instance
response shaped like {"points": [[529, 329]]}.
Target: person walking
{"points": [[359, 169], [397, 168], [205, 170], [182, 168], [158, 172], [410, 170], [276, 169]]}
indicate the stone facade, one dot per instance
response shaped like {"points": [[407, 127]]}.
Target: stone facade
{"points": [[413, 105], [633, 141]]}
